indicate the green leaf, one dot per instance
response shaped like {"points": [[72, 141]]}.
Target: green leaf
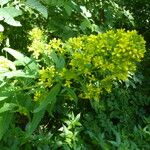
{"points": [[58, 60], [17, 73], [13, 12], [86, 13], [5, 120], [68, 9], [31, 66], [39, 112], [85, 24], [23, 60], [72, 94], [34, 123], [14, 53], [3, 2], [77, 118], [7, 107], [8, 13], [35, 4], [118, 139], [50, 98], [1, 18], [57, 3], [129, 16], [1, 28], [3, 98]]}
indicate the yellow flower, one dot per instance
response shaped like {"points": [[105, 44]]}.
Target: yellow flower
{"points": [[67, 83], [55, 44], [47, 76], [38, 42], [36, 33], [37, 96], [37, 47]]}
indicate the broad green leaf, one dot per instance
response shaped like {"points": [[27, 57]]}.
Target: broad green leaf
{"points": [[59, 61], [14, 53], [3, 98], [49, 99], [1, 18], [68, 9], [12, 21], [85, 12], [31, 66], [17, 73], [17, 55], [8, 65], [8, 13], [85, 24], [35, 4], [5, 120], [3, 2], [13, 12], [1, 28], [7, 107]]}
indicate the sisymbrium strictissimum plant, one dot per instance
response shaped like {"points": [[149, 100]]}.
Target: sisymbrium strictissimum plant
{"points": [[87, 64]]}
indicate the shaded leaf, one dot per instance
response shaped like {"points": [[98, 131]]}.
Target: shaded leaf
{"points": [[5, 120]]}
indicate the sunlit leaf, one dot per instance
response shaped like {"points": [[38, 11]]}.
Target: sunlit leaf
{"points": [[7, 107], [8, 13], [3, 2], [2, 98], [1, 28], [35, 4]]}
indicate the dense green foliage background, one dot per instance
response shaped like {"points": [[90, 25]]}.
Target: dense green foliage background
{"points": [[58, 90]]}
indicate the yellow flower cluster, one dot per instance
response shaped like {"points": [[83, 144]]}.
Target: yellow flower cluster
{"points": [[40, 95], [38, 42], [47, 76], [90, 64], [91, 91], [39, 45], [36, 33], [37, 96], [55, 44]]}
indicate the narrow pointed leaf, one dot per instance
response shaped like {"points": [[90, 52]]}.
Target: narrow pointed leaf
{"points": [[50, 98]]}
